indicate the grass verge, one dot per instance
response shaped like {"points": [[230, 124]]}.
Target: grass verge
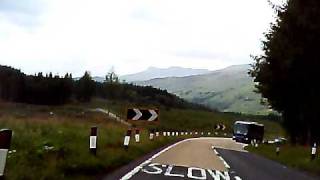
{"points": [[298, 157], [56, 146]]}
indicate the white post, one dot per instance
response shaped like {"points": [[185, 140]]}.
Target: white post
{"points": [[137, 136], [164, 133], [93, 140], [5, 141], [314, 151], [127, 139], [151, 135]]}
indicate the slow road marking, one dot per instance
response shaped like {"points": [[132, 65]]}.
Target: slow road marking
{"points": [[149, 167]]}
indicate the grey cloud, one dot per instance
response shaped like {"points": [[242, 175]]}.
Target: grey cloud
{"points": [[235, 59], [145, 15], [24, 12], [200, 54]]}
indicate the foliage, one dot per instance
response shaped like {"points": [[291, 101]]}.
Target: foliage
{"points": [[287, 73], [85, 88], [37, 89], [18, 87], [56, 146]]}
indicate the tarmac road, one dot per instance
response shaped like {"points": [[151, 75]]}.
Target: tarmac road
{"points": [[208, 158]]}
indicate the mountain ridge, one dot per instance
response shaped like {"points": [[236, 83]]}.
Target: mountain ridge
{"points": [[154, 72], [230, 89]]}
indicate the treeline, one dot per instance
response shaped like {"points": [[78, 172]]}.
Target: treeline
{"points": [[287, 72], [47, 89], [15, 86]]}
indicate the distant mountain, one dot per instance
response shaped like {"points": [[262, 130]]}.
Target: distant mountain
{"points": [[153, 72], [98, 78], [229, 89]]}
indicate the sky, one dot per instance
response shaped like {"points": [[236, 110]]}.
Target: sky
{"points": [[63, 36]]}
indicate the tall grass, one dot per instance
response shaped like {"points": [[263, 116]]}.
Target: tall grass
{"points": [[56, 147], [189, 119]]}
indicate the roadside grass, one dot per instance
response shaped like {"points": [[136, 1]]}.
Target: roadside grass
{"points": [[66, 130], [298, 157], [69, 158], [188, 119]]}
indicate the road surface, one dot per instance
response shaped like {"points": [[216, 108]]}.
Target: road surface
{"points": [[209, 158]]}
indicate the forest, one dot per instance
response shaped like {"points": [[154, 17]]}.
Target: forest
{"points": [[48, 89]]}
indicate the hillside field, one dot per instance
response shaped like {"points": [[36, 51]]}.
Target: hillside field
{"points": [[228, 90], [56, 146]]}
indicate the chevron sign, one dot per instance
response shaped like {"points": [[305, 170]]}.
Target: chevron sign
{"points": [[220, 127], [137, 114]]}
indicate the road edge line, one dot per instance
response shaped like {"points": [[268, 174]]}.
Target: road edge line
{"points": [[140, 166], [221, 158]]}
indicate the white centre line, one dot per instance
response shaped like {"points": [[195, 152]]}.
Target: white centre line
{"points": [[221, 158]]}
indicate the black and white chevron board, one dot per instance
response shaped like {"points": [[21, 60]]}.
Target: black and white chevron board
{"points": [[138, 114]]}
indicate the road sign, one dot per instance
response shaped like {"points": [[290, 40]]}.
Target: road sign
{"points": [[137, 114], [220, 127]]}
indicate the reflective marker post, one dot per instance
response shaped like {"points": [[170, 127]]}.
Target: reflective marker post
{"points": [[151, 135], [93, 140], [164, 133], [313, 151], [127, 139], [278, 149], [255, 143], [5, 141], [137, 136]]}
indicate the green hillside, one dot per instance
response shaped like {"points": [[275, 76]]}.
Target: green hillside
{"points": [[229, 90]]}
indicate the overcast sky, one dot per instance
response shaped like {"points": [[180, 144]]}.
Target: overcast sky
{"points": [[131, 35]]}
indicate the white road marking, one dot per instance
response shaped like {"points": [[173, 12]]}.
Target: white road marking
{"points": [[169, 170], [221, 158], [138, 168], [130, 174], [155, 169], [202, 171], [215, 151]]}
